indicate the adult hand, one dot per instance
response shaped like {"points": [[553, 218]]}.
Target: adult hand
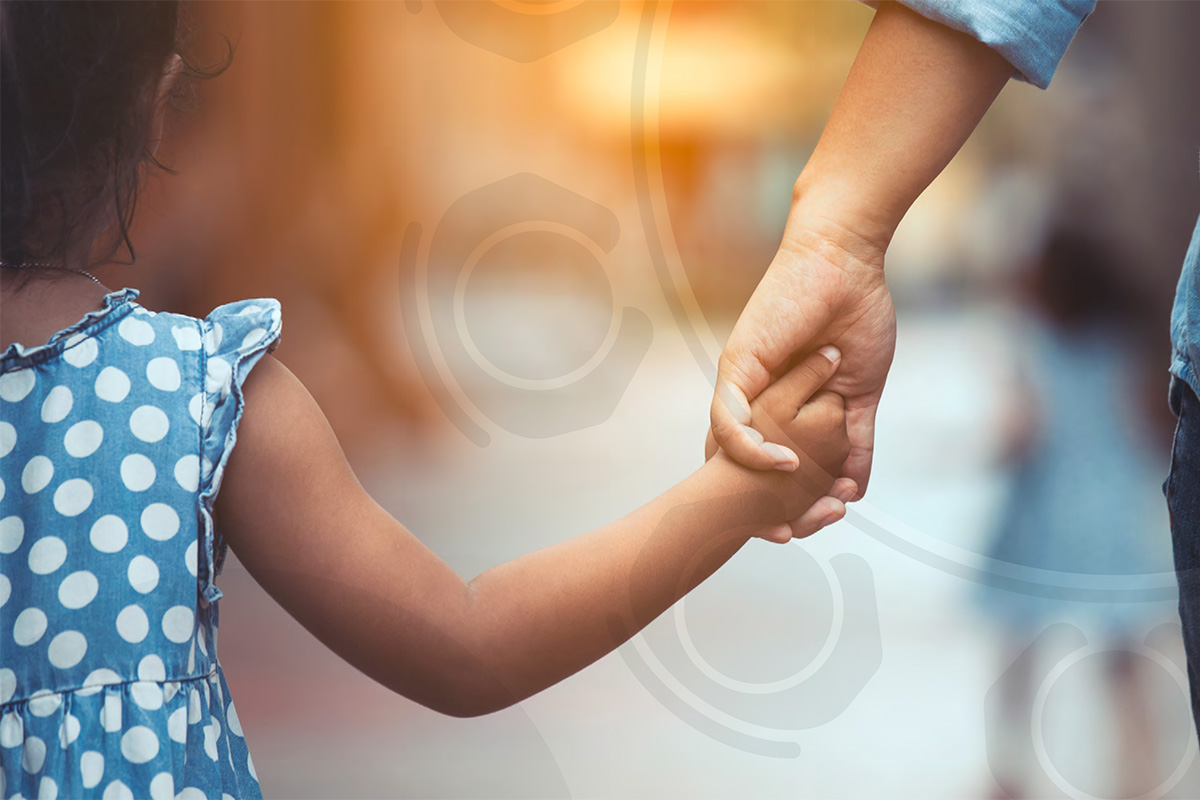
{"points": [[824, 286], [916, 91]]}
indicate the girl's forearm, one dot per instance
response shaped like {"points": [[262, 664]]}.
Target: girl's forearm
{"points": [[542, 617], [915, 93]]}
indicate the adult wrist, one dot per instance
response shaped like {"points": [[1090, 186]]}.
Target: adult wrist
{"points": [[837, 210]]}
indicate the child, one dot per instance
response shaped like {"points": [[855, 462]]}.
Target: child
{"points": [[1085, 500], [118, 432]]}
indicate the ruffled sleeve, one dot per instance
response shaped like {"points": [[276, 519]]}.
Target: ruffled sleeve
{"points": [[235, 336]]}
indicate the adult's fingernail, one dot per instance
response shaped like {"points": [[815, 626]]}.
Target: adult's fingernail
{"points": [[831, 353], [753, 434], [784, 458]]}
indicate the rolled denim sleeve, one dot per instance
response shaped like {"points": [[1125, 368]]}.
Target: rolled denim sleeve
{"points": [[1031, 34]]}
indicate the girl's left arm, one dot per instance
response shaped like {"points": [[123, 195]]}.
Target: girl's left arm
{"points": [[298, 519]]}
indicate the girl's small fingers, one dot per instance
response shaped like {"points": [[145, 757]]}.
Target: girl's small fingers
{"points": [[822, 513], [803, 380]]}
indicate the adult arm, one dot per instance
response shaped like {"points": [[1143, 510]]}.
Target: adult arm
{"points": [[917, 89]]}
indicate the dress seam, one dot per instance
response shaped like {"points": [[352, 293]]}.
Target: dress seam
{"points": [[35, 696]]}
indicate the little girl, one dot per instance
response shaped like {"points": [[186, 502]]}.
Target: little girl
{"points": [[118, 428]]}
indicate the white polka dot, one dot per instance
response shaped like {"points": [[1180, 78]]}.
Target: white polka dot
{"points": [[189, 558], [117, 791], [68, 731], [132, 624], [83, 438], [12, 531], [5, 593], [163, 373], [146, 694], [12, 730], [177, 624], [37, 474], [29, 626], [252, 338], [137, 472], [1, 488], [195, 405], [136, 331], [44, 703], [162, 786], [212, 732], [15, 385], [250, 767], [57, 405], [177, 725], [191, 662], [212, 338], [233, 721], [78, 589], [67, 649], [47, 789], [219, 376], [149, 423], [47, 555], [81, 350], [73, 497], [111, 713], [194, 707], [186, 338], [170, 689], [109, 534], [191, 793], [143, 574], [34, 756], [91, 764], [8, 685], [97, 680], [112, 385], [151, 668], [187, 472], [160, 521], [8, 438]]}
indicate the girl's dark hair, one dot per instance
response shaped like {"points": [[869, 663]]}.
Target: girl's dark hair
{"points": [[77, 96]]}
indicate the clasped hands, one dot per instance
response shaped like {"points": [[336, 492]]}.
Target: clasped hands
{"points": [[800, 378]]}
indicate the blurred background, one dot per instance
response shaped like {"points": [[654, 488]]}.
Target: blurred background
{"points": [[510, 238]]}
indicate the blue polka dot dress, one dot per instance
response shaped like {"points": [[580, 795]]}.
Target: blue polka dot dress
{"points": [[113, 439]]}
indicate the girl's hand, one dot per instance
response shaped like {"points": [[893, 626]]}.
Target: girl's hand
{"points": [[794, 412]]}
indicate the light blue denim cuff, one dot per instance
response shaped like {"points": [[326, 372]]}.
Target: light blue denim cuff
{"points": [[1032, 35]]}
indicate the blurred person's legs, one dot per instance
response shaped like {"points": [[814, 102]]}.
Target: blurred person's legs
{"points": [[1010, 767], [1137, 733], [1183, 500]]}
